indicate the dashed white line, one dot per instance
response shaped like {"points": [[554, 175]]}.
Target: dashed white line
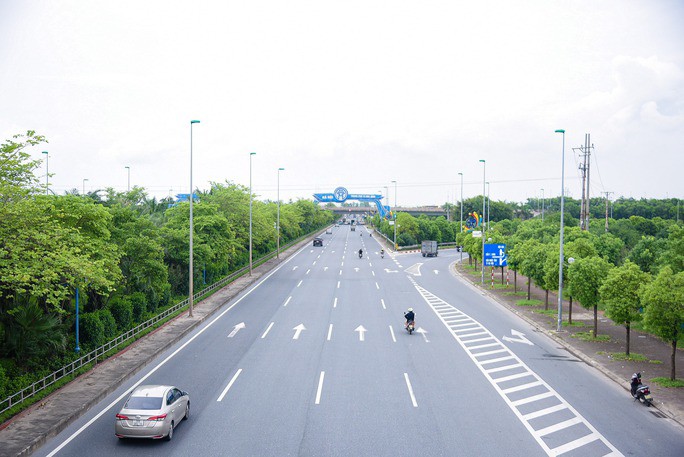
{"points": [[320, 387], [410, 389], [288, 300], [382, 302], [338, 284], [307, 271], [230, 384], [376, 286], [268, 329], [300, 282], [335, 303], [329, 332], [392, 333]]}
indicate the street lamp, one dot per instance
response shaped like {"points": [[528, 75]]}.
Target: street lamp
{"points": [[542, 205], [84, 181], [395, 215], [488, 205], [560, 260], [461, 174], [191, 269], [250, 211], [129, 177], [278, 217], [484, 174], [47, 171]]}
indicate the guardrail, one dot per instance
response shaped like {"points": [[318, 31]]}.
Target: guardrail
{"points": [[93, 356]]}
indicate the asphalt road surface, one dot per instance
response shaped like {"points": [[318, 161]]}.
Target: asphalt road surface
{"points": [[314, 361]]}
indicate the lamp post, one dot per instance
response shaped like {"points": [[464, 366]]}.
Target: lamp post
{"points": [[78, 346], [395, 215], [250, 211], [484, 180], [47, 171], [461, 174], [84, 181], [192, 229], [488, 205], [278, 217], [129, 177], [560, 259], [542, 205]]}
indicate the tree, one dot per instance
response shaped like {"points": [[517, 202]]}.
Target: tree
{"points": [[620, 294], [532, 265], [17, 178], [586, 277], [646, 253], [664, 313], [29, 332], [673, 252]]}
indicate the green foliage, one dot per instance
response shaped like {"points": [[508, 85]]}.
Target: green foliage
{"points": [[139, 306], [586, 277], [17, 177], [108, 324], [666, 382], [620, 293], [30, 332], [664, 300], [92, 330], [122, 311]]}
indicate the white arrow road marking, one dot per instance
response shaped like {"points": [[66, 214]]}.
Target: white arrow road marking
{"points": [[288, 300], [325, 268], [361, 331], [236, 329], [230, 384], [298, 329], [268, 329], [423, 332], [330, 332], [356, 269], [414, 269], [392, 333], [294, 268], [382, 302], [436, 271], [320, 387], [410, 389], [387, 270], [520, 338]]}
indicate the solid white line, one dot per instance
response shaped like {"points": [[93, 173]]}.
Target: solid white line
{"points": [[320, 388], [230, 384], [267, 330], [383, 303], [480, 346], [529, 385], [335, 303], [392, 333], [559, 426], [410, 389], [288, 300], [512, 377], [300, 282], [579, 442], [504, 368], [495, 351], [544, 412], [329, 332], [524, 401], [169, 357]]}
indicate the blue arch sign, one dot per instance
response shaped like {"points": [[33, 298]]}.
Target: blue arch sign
{"points": [[341, 195]]}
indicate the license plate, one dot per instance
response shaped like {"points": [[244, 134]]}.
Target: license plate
{"points": [[137, 423], [648, 397]]}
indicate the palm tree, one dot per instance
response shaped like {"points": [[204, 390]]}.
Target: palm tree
{"points": [[31, 332]]}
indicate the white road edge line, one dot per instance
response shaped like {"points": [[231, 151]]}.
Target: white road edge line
{"points": [[320, 387], [230, 384], [169, 357], [410, 389], [268, 329]]}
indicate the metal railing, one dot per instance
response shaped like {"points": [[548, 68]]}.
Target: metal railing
{"points": [[93, 356]]}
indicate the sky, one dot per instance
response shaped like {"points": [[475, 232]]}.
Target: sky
{"points": [[350, 93]]}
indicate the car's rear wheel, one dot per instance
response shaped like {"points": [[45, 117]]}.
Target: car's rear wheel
{"points": [[170, 435], [187, 412]]}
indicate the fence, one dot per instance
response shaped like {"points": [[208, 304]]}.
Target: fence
{"points": [[93, 356]]}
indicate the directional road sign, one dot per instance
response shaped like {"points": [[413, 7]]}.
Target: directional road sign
{"points": [[495, 255]]}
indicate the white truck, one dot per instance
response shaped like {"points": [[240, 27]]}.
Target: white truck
{"points": [[428, 248]]}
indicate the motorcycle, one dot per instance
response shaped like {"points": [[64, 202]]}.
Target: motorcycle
{"points": [[360, 255], [382, 255], [641, 391], [410, 326]]}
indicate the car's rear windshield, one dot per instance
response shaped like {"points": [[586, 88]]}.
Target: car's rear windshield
{"points": [[144, 403]]}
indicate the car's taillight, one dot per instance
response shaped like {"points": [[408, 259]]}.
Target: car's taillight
{"points": [[157, 418], [121, 417]]}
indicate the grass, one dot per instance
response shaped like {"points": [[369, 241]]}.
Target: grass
{"points": [[632, 357], [589, 336], [574, 324], [548, 312], [667, 382], [519, 293], [526, 302]]}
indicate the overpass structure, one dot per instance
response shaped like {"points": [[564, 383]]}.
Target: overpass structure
{"points": [[413, 211]]}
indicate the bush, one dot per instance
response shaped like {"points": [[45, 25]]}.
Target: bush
{"points": [[109, 323], [122, 310], [139, 304], [92, 330]]}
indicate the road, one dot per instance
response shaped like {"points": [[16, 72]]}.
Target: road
{"points": [[314, 361]]}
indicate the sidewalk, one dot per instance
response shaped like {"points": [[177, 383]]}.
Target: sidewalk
{"points": [[669, 401], [30, 429]]}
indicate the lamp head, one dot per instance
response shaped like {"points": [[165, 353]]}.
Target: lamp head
{"points": [[252, 153], [195, 122], [482, 160], [45, 152], [281, 169], [560, 131]]}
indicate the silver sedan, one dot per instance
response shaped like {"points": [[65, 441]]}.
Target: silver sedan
{"points": [[152, 412]]}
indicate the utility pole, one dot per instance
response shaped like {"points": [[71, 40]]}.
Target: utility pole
{"points": [[607, 198], [584, 167]]}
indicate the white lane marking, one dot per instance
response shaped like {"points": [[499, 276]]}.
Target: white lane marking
{"points": [[440, 307], [320, 387], [335, 303], [268, 329], [298, 330], [338, 284], [325, 268], [300, 282], [340, 272], [236, 329], [230, 384], [423, 332], [373, 273], [294, 268], [410, 389], [382, 302], [288, 300], [169, 357], [329, 332], [314, 263], [342, 264], [370, 264], [307, 271], [376, 286], [392, 333]]}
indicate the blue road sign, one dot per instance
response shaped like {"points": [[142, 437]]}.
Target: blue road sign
{"points": [[495, 255]]}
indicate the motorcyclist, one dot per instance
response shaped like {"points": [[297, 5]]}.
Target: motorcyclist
{"points": [[635, 382], [410, 316], [360, 253], [382, 253]]}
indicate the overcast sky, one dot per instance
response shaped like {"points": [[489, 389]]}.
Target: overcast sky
{"points": [[350, 93]]}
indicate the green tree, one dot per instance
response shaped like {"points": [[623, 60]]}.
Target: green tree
{"points": [[532, 265], [620, 294], [586, 277], [30, 332], [664, 313]]}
